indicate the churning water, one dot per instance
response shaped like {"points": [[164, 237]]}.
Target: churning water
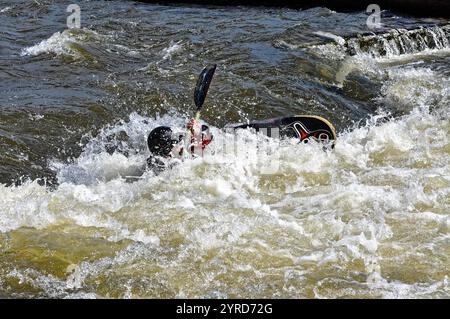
{"points": [[369, 219]]}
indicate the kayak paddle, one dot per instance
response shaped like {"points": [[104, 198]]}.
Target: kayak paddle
{"points": [[201, 89]]}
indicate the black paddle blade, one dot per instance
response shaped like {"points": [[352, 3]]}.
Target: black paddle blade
{"points": [[203, 82]]}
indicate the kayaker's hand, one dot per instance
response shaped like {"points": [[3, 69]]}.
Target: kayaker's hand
{"points": [[200, 137], [194, 126]]}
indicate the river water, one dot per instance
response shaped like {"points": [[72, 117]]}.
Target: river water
{"points": [[369, 219]]}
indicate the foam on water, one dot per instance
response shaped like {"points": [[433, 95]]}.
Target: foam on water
{"points": [[173, 48], [398, 42], [374, 56], [5, 9], [68, 42], [335, 38], [54, 44], [368, 219], [358, 212]]}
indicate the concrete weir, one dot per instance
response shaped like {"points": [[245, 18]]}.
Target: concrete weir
{"points": [[435, 8]]}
